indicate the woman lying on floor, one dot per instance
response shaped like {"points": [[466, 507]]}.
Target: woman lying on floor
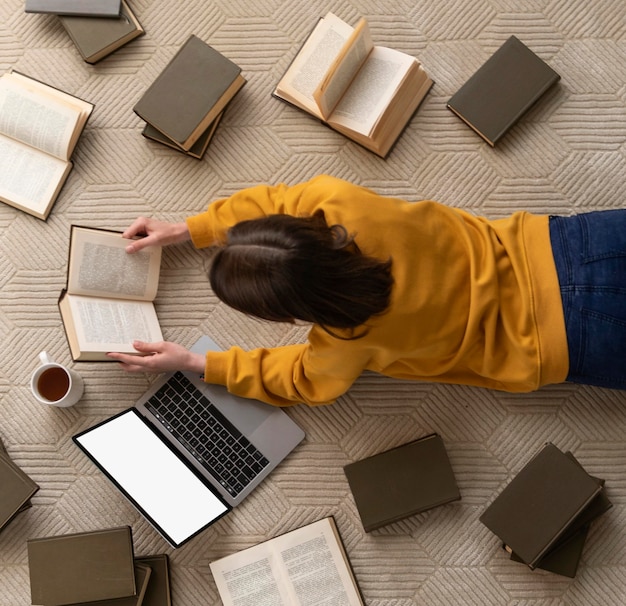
{"points": [[414, 290]]}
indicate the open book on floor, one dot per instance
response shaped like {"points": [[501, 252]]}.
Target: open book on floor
{"points": [[366, 92], [96, 38], [548, 500], [39, 128], [108, 301], [308, 565]]}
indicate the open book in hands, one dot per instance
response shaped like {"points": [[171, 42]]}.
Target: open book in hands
{"points": [[108, 300], [39, 128], [366, 92]]}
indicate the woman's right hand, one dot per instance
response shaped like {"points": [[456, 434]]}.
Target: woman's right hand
{"points": [[153, 232]]}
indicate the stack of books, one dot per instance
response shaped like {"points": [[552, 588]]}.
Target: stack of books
{"points": [[97, 28], [185, 103], [96, 566], [543, 515], [17, 489]]}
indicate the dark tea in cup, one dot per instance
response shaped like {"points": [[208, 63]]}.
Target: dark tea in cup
{"points": [[53, 383]]}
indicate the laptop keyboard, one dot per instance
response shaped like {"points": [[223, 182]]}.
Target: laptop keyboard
{"points": [[207, 434]]}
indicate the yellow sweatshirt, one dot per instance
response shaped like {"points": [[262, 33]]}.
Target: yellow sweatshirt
{"points": [[474, 301]]}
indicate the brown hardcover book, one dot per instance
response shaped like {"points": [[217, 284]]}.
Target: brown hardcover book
{"points": [[403, 481], [197, 150], [33, 118], [190, 92], [16, 489], [311, 559], [502, 90], [97, 38], [366, 92], [159, 592], [90, 8], [539, 504], [143, 578], [82, 567], [109, 297]]}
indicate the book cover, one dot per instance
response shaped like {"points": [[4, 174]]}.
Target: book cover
{"points": [[159, 592], [16, 489], [190, 92], [92, 8], [540, 503], [502, 90], [95, 39], [402, 481], [82, 567], [197, 150], [143, 578]]}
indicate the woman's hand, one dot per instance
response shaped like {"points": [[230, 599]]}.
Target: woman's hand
{"points": [[155, 232], [160, 357]]}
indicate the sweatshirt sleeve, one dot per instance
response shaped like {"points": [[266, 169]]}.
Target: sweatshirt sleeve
{"points": [[279, 376]]}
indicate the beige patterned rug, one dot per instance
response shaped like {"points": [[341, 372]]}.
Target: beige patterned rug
{"points": [[568, 155]]}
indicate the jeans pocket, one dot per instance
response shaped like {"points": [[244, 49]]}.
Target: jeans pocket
{"points": [[602, 352]]}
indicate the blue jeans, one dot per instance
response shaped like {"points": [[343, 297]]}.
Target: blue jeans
{"points": [[590, 256]]}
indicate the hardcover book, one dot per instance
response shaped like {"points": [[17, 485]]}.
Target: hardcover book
{"points": [[159, 592], [16, 489], [308, 565], [39, 128], [95, 38], [539, 504], [366, 92], [190, 92], [82, 567], [108, 301], [403, 481], [84, 8], [143, 578], [503, 89]]}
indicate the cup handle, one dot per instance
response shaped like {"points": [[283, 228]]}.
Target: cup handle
{"points": [[45, 358]]}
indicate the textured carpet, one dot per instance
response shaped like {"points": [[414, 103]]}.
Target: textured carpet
{"points": [[567, 155]]}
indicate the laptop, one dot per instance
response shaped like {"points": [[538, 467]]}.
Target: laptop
{"points": [[188, 452]]}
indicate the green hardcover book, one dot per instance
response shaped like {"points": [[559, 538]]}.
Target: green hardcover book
{"points": [[143, 577], [96, 38], [82, 567], [90, 8], [502, 90], [540, 503], [190, 92], [401, 482], [17, 489], [159, 592]]}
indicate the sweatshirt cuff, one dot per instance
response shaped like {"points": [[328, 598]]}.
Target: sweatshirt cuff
{"points": [[201, 235], [216, 367]]}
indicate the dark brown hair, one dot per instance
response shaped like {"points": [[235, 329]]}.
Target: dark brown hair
{"points": [[284, 268]]}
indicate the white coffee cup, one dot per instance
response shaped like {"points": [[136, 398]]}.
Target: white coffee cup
{"points": [[56, 384]]}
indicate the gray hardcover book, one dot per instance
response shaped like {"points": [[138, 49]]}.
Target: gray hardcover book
{"points": [[540, 503], [502, 90], [82, 567], [190, 92], [401, 482], [98, 38], [92, 8]]}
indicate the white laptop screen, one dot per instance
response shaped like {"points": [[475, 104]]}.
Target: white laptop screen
{"points": [[171, 496]]}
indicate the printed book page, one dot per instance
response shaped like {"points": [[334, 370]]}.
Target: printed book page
{"points": [[112, 325], [372, 90], [312, 63], [100, 266], [38, 115], [307, 566]]}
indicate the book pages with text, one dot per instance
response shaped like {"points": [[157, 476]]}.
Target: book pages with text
{"points": [[372, 90], [30, 114], [30, 178], [306, 566], [113, 324], [343, 70], [100, 266], [313, 61]]}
